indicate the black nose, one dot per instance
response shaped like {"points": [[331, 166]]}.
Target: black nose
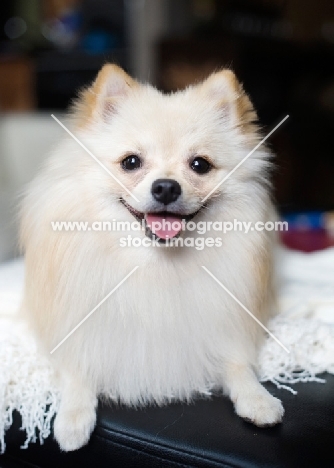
{"points": [[166, 190]]}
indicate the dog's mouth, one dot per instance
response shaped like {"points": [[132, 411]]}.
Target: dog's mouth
{"points": [[162, 225]]}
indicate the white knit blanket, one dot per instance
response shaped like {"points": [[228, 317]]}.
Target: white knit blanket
{"points": [[305, 325]]}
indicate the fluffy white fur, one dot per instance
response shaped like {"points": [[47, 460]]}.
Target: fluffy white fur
{"points": [[169, 332]]}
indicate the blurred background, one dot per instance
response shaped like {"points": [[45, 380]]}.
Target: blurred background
{"points": [[281, 50]]}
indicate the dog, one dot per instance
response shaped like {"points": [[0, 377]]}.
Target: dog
{"points": [[169, 331]]}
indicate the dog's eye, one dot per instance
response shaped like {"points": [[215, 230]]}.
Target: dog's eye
{"points": [[200, 165], [131, 162]]}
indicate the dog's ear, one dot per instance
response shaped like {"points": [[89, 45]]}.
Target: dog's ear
{"points": [[101, 99], [110, 87], [227, 93]]}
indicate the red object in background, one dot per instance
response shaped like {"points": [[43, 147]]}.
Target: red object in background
{"points": [[308, 240]]}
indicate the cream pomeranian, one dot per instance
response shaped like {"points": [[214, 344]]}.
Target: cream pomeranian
{"points": [[169, 331]]}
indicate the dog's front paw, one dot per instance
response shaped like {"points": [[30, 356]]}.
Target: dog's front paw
{"points": [[72, 428], [262, 409]]}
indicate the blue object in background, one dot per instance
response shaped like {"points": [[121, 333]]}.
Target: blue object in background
{"points": [[99, 41], [305, 221]]}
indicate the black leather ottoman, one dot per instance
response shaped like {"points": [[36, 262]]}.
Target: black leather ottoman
{"points": [[204, 434]]}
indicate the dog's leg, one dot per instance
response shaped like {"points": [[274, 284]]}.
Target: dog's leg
{"points": [[76, 417], [251, 400]]}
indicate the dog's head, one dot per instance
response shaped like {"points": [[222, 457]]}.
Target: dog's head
{"points": [[169, 153]]}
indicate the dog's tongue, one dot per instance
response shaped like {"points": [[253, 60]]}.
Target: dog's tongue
{"points": [[164, 226]]}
